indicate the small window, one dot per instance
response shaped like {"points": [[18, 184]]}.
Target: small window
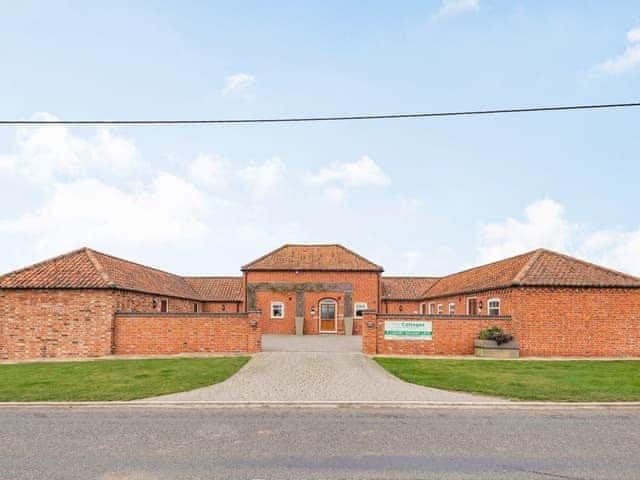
{"points": [[493, 307], [452, 309], [196, 308], [432, 308], [358, 308], [277, 310], [164, 305], [440, 309], [423, 309]]}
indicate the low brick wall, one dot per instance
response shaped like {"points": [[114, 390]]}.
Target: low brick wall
{"points": [[169, 333], [452, 335]]}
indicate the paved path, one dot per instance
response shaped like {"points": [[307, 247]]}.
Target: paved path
{"points": [[316, 368], [329, 444]]}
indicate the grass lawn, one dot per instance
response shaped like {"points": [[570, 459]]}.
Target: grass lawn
{"points": [[562, 381], [112, 379]]}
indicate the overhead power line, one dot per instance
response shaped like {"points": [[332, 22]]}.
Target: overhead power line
{"points": [[337, 118]]}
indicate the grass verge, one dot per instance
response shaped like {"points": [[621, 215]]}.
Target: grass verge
{"points": [[551, 380], [107, 380]]}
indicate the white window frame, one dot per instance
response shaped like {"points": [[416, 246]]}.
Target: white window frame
{"points": [[432, 309], [477, 305], [197, 307], [452, 306], [423, 309], [363, 306], [489, 307], [273, 304], [166, 300], [440, 309]]}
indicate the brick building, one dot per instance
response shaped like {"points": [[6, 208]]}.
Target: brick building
{"points": [[86, 303]]}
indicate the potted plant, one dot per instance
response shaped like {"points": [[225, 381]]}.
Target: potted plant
{"points": [[496, 343]]}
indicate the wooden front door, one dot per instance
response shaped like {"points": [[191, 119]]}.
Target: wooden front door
{"points": [[472, 306], [328, 316]]}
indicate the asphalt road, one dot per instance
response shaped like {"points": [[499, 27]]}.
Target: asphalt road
{"points": [[160, 443]]}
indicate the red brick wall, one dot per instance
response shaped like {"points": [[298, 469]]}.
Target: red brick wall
{"points": [[143, 302], [219, 307], [577, 322], [451, 336], [145, 334], [504, 295], [400, 306], [365, 289], [55, 323]]}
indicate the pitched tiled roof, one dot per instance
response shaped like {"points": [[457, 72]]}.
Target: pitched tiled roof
{"points": [[218, 288], [86, 268], [313, 257], [537, 268], [406, 288]]}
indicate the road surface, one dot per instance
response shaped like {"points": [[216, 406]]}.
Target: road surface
{"points": [[172, 443]]}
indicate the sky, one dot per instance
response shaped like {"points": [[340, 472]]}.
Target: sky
{"points": [[418, 196]]}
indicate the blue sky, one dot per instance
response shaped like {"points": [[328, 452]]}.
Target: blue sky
{"points": [[418, 196]]}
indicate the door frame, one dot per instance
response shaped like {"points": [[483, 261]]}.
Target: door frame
{"points": [[328, 301]]}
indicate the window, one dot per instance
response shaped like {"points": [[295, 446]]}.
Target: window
{"points": [[423, 309], [358, 308], [432, 308], [277, 310], [440, 310], [493, 307], [164, 305], [196, 307], [452, 309]]}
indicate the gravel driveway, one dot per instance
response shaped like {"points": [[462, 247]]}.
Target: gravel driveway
{"points": [[316, 368]]}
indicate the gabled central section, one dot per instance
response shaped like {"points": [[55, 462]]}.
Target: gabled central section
{"points": [[310, 289]]}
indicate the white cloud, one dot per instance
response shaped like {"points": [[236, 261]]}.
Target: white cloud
{"points": [[455, 7], [264, 178], [167, 211], [546, 226], [45, 153], [238, 84], [356, 174], [626, 61], [211, 170]]}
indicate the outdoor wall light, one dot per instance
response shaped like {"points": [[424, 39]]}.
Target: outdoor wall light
{"points": [[154, 303], [480, 305], [313, 309], [400, 308], [223, 307]]}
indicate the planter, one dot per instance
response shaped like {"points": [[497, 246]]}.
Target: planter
{"points": [[299, 325], [491, 349], [348, 325]]}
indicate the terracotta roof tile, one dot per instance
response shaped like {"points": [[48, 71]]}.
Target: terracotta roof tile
{"points": [[133, 276], [539, 267], [87, 268], [551, 268], [406, 288], [218, 288], [71, 270], [313, 257]]}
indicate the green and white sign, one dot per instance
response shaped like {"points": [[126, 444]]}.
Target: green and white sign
{"points": [[405, 330]]}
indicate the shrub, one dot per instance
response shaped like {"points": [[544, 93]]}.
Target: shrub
{"points": [[496, 334]]}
